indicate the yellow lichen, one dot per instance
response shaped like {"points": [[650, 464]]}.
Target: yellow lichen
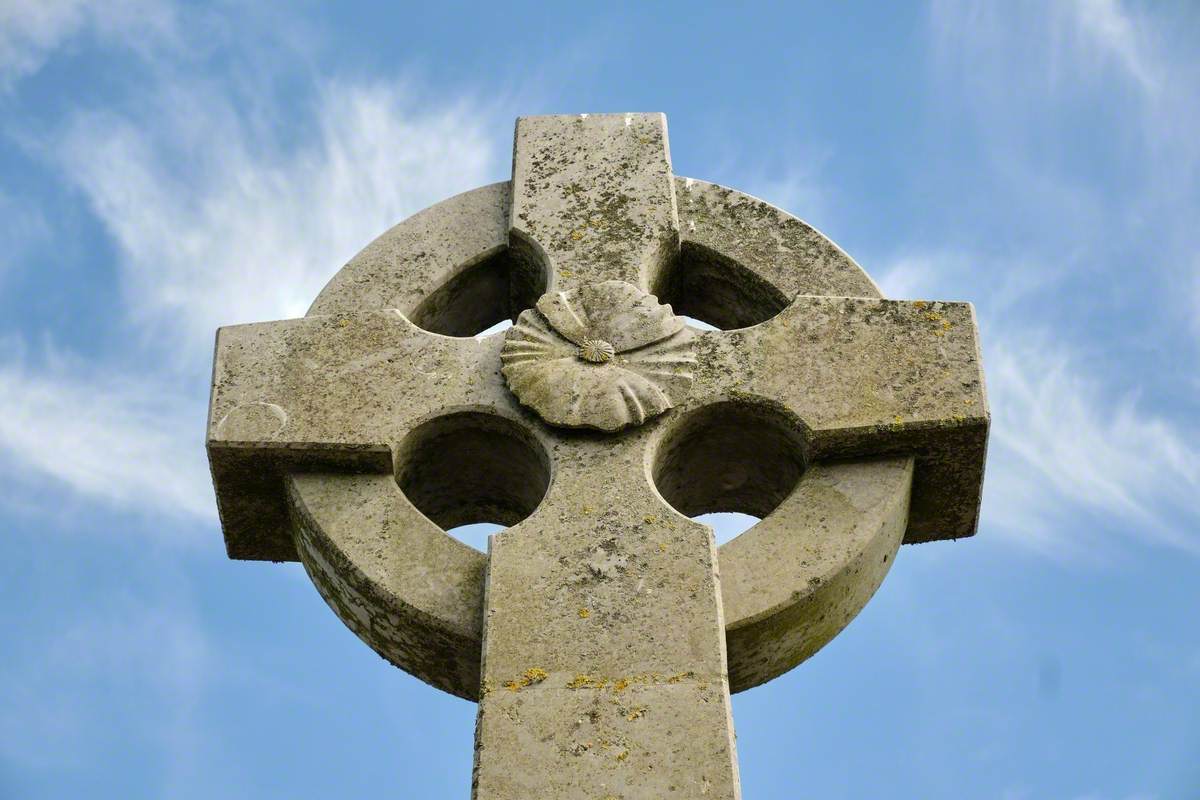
{"points": [[576, 235], [619, 685], [584, 613], [531, 676], [621, 756]]}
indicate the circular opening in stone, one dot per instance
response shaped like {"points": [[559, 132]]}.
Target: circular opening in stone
{"points": [[502, 325], [483, 298], [471, 467], [728, 525], [705, 286], [476, 534], [731, 459]]}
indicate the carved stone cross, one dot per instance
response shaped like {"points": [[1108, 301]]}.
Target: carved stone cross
{"points": [[598, 634]]}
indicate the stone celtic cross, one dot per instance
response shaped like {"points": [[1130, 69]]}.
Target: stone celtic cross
{"points": [[603, 631]]}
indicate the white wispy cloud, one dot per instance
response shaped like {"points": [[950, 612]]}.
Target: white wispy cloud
{"points": [[220, 221], [30, 30], [1068, 444], [225, 207], [1047, 83], [1104, 261], [1059, 44], [121, 435], [1104, 30], [1129, 71], [1061, 445]]}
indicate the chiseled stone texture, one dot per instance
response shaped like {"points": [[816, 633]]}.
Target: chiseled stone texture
{"points": [[395, 578], [603, 632], [605, 356]]}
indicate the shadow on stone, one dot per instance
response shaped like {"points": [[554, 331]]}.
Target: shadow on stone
{"points": [[729, 457], [715, 289], [496, 289], [472, 467]]}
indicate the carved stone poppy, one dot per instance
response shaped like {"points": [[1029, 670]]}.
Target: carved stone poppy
{"points": [[604, 356]]}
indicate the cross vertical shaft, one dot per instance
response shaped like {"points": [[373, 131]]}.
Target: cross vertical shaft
{"points": [[604, 665]]}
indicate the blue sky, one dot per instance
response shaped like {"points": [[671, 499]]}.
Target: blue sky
{"points": [[166, 168]]}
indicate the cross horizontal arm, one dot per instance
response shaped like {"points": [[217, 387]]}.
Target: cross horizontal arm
{"points": [[870, 377], [325, 392]]}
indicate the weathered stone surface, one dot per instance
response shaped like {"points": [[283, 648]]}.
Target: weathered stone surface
{"points": [[393, 576], [744, 260], [795, 580], [782, 594], [613, 596], [593, 198], [610, 639]]}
